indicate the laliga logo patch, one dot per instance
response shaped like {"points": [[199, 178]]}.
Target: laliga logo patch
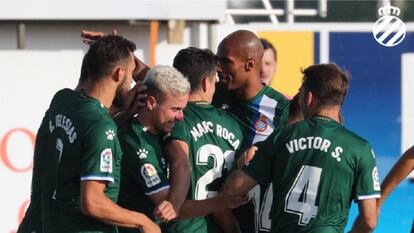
{"points": [[261, 124], [375, 179], [389, 30], [106, 161], [150, 175]]}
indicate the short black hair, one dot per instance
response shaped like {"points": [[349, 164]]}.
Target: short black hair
{"points": [[267, 45], [104, 55], [195, 64]]}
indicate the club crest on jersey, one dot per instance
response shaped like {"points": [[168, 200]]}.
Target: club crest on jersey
{"points": [[106, 160], [375, 179], [150, 175], [110, 134], [142, 153], [261, 124]]}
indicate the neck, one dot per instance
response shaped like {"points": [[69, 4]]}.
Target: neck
{"points": [[145, 118], [100, 90], [198, 97], [250, 89], [330, 112]]}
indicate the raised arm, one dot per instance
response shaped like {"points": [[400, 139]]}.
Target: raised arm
{"points": [[403, 167]]}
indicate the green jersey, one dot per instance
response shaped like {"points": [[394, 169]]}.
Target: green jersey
{"points": [[32, 219], [144, 170], [317, 167], [260, 116], [213, 137], [82, 145]]}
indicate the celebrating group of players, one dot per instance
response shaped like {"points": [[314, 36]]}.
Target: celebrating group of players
{"points": [[189, 154]]}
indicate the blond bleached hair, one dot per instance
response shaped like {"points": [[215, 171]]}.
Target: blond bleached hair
{"points": [[161, 80]]}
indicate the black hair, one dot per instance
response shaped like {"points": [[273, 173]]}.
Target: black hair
{"points": [[195, 64], [104, 55]]}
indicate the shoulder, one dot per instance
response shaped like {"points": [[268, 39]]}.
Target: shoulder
{"points": [[105, 127], [274, 94]]}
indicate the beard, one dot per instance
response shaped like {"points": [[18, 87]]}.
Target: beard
{"points": [[120, 96]]}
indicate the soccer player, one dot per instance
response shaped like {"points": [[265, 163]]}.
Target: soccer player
{"points": [[144, 180], [209, 138], [269, 62], [80, 181], [295, 115], [259, 108], [317, 166]]}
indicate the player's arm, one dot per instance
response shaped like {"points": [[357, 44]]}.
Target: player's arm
{"points": [[226, 221], [238, 184], [367, 218], [197, 208], [177, 153], [403, 167], [96, 204]]}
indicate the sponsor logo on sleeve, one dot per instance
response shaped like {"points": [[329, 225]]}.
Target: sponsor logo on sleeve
{"points": [[106, 160], [150, 175], [110, 134], [375, 179]]}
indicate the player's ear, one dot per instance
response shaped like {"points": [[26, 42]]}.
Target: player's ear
{"points": [[249, 65], [118, 74], [204, 84], [151, 102], [309, 98]]}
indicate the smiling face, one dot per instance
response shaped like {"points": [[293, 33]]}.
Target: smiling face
{"points": [[231, 66], [168, 111]]}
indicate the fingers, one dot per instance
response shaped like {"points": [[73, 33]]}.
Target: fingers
{"points": [[250, 154], [165, 211], [237, 201], [89, 37]]}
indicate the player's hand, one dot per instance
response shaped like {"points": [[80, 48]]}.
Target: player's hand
{"points": [[89, 37], [140, 71], [232, 201], [166, 211], [246, 156], [151, 227], [135, 99]]}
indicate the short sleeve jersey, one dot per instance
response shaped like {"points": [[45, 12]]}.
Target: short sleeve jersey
{"points": [[317, 168], [82, 146], [260, 116], [213, 138], [144, 169], [32, 219]]}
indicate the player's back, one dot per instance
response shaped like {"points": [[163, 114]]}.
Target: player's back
{"points": [[318, 169], [82, 145], [213, 138]]}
